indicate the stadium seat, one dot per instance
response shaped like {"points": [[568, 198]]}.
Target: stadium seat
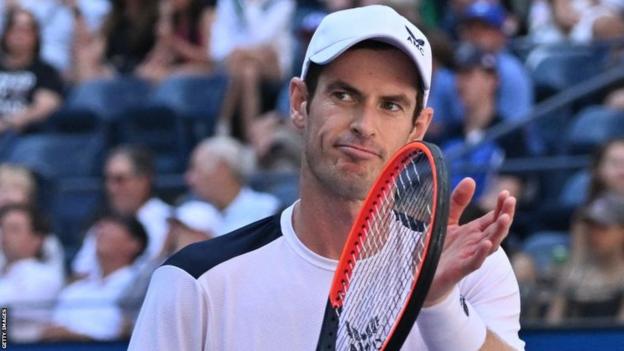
{"points": [[107, 98], [548, 249], [59, 155], [592, 127], [554, 68], [158, 129], [195, 99], [574, 191]]}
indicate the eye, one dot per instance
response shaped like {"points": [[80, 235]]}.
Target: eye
{"points": [[391, 106], [343, 96]]}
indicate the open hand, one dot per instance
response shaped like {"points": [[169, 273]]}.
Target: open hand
{"points": [[467, 246]]}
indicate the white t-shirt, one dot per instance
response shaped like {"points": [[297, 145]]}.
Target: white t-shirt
{"points": [[252, 23], [29, 288], [247, 207], [260, 288], [90, 306], [152, 215]]}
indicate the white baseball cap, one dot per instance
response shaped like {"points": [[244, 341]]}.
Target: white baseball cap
{"points": [[199, 216], [341, 30]]}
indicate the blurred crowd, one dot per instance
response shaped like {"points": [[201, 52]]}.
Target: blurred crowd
{"points": [[132, 128]]}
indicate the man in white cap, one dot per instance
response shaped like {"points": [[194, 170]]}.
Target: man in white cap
{"points": [[360, 97]]}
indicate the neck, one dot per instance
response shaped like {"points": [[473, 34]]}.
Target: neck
{"points": [[228, 193], [111, 265], [321, 220], [18, 60]]}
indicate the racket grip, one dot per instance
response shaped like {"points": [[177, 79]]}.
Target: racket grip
{"points": [[329, 329]]}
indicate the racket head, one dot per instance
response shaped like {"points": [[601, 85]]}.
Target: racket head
{"points": [[390, 255]]}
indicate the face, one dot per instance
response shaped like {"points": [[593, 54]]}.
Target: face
{"points": [[19, 241], [10, 194], [605, 240], [473, 84], [361, 113], [612, 168], [114, 240], [205, 173], [126, 190], [22, 35]]}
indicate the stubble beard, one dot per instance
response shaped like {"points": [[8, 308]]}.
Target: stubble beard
{"points": [[347, 185]]}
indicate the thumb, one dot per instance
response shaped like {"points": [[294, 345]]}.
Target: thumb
{"points": [[460, 198]]}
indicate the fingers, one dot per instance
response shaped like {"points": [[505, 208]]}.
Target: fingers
{"points": [[497, 231], [502, 196], [460, 198]]}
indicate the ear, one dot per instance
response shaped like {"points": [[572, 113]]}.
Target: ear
{"points": [[298, 102], [421, 124]]}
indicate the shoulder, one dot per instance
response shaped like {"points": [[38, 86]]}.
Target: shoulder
{"points": [[196, 259], [42, 67]]}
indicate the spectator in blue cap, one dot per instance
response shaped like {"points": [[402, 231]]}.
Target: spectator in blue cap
{"points": [[482, 24]]}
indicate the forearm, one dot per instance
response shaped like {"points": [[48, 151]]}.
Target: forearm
{"points": [[44, 104]]}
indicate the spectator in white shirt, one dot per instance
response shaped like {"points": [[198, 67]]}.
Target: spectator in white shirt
{"points": [[216, 174], [89, 309], [28, 285], [19, 186], [129, 174]]}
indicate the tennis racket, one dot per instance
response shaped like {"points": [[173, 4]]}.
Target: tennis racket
{"points": [[390, 255]]}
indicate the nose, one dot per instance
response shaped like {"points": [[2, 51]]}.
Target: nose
{"points": [[364, 123]]}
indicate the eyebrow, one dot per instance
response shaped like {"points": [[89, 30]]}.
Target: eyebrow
{"points": [[342, 85]]}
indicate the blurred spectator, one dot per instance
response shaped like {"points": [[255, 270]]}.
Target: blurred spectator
{"points": [[607, 171], [216, 174], [579, 21], [182, 46], [127, 36], [30, 89], [477, 84], [55, 21], [129, 176], [592, 284], [28, 284], [191, 222], [18, 186], [252, 40], [482, 25], [88, 309], [276, 143], [443, 93]]}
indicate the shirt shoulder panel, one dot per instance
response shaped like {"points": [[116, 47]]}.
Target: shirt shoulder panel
{"points": [[198, 258]]}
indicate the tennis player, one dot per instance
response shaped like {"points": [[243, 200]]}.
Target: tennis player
{"points": [[360, 97]]}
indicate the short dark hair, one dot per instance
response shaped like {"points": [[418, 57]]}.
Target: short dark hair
{"points": [[38, 222], [9, 21], [315, 70], [132, 225], [140, 157]]}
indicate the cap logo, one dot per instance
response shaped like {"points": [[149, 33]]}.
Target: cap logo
{"points": [[418, 43]]}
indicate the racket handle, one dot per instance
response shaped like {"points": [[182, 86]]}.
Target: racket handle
{"points": [[329, 329]]}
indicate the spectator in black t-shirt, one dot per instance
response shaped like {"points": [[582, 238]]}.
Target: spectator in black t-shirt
{"points": [[30, 89]]}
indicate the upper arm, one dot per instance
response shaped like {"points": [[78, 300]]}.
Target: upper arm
{"points": [[173, 313]]}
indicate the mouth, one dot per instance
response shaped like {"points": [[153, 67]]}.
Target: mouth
{"points": [[358, 152]]}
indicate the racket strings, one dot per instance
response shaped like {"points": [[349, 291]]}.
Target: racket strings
{"points": [[380, 278]]}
